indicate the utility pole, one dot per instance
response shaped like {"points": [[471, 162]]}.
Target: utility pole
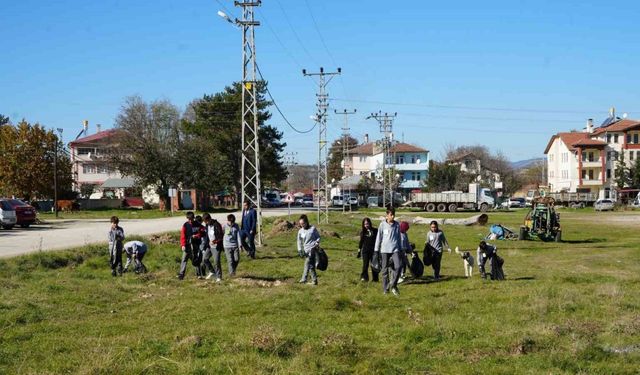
{"points": [[321, 121], [385, 121], [290, 160], [55, 173], [345, 147], [250, 170]]}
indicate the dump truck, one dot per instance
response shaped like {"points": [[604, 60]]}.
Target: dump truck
{"points": [[573, 199], [478, 198]]}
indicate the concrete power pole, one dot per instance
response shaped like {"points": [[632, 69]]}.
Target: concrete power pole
{"points": [[321, 120], [345, 146], [250, 170], [386, 128]]}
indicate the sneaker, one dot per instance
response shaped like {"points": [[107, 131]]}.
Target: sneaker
{"points": [[363, 279], [209, 276], [302, 281], [180, 277], [395, 291], [314, 282], [385, 291], [400, 280], [218, 280], [113, 273], [200, 277]]}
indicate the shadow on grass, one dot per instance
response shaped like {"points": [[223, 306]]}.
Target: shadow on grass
{"points": [[286, 256], [430, 280], [589, 240], [524, 278], [265, 278]]}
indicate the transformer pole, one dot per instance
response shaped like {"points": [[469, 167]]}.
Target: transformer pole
{"points": [[345, 147], [386, 128], [250, 169], [321, 121]]}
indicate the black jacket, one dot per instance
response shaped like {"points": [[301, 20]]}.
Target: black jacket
{"points": [[368, 240]]}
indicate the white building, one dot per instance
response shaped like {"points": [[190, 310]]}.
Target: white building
{"points": [[410, 162], [586, 161]]}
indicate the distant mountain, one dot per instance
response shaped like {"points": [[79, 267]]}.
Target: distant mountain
{"points": [[523, 164]]}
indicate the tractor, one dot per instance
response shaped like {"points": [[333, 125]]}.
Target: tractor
{"points": [[541, 221]]}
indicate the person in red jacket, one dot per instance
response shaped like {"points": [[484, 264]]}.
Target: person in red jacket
{"points": [[189, 242]]}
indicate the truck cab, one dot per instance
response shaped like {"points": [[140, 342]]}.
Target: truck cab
{"points": [[486, 196]]}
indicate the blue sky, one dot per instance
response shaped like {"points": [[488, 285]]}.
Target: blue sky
{"points": [[506, 74]]}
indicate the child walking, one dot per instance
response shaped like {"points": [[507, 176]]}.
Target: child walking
{"points": [[388, 245], [232, 243], [308, 242], [116, 237], [436, 241]]}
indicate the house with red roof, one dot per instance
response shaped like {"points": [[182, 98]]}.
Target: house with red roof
{"points": [[410, 162], [585, 161]]}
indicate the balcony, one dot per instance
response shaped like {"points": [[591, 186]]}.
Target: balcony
{"points": [[596, 163], [593, 182]]}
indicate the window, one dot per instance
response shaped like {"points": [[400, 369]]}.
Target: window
{"points": [[363, 158], [400, 159], [103, 169], [85, 151], [415, 176], [635, 138], [88, 168], [608, 138], [628, 138], [608, 173], [630, 155], [413, 159], [608, 155], [615, 138], [591, 174], [550, 157]]}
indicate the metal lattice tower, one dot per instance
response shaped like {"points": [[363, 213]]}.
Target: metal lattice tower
{"points": [[290, 160], [385, 121], [345, 146], [321, 120], [250, 171]]}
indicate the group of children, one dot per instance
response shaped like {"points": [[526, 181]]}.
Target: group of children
{"points": [[385, 250], [135, 250]]}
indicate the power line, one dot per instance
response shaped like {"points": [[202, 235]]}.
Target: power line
{"points": [[280, 41], [503, 109], [278, 108], [294, 32]]}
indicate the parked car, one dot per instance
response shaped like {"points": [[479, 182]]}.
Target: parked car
{"points": [[353, 201], [7, 214], [337, 201], [603, 205], [307, 201], [514, 203], [25, 213], [298, 201]]}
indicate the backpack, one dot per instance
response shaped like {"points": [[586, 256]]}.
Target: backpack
{"points": [[417, 268], [322, 261]]}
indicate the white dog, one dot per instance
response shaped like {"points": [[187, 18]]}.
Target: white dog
{"points": [[467, 261]]}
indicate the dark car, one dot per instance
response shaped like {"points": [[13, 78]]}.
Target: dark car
{"points": [[25, 213]]}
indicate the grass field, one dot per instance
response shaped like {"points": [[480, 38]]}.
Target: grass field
{"points": [[565, 308]]}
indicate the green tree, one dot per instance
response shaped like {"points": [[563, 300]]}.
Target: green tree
{"points": [[442, 177], [215, 119], [634, 174], [4, 120], [621, 171], [149, 145], [335, 169], [27, 152]]}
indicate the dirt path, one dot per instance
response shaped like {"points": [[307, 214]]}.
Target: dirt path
{"points": [[66, 234]]}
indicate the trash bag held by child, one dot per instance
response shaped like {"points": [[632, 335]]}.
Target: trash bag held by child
{"points": [[322, 260], [427, 255], [375, 261]]}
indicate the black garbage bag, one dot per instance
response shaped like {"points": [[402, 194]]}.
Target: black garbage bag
{"points": [[427, 255], [322, 260], [376, 262], [416, 267], [196, 260], [496, 268]]}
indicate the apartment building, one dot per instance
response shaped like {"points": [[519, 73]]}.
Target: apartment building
{"points": [[586, 161], [411, 163]]}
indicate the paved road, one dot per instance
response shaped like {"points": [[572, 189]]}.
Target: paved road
{"points": [[64, 234]]}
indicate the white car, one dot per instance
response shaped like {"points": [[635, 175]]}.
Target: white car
{"points": [[603, 205], [8, 216]]}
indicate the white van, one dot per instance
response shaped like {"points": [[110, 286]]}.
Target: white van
{"points": [[7, 215]]}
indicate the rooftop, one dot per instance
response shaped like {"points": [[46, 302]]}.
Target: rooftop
{"points": [[368, 148], [93, 137]]}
